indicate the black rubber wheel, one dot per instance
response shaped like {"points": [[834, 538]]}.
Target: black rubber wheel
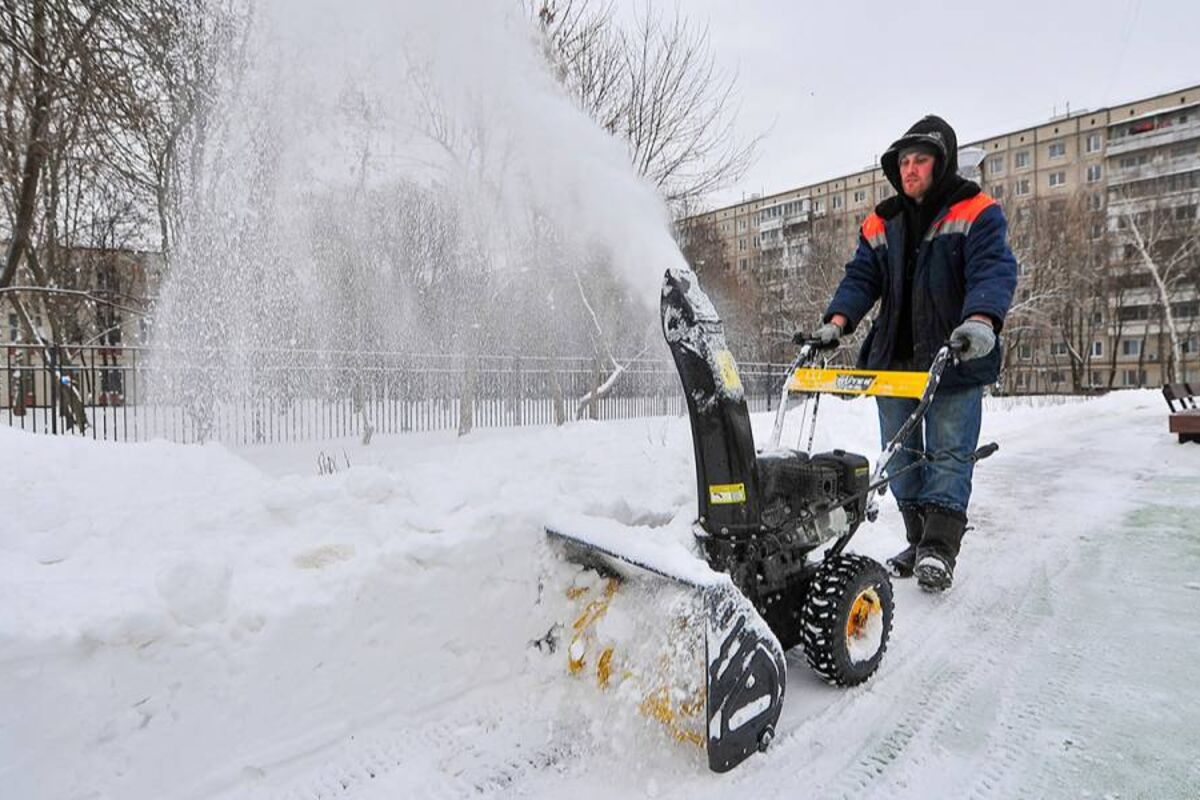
{"points": [[846, 619]]}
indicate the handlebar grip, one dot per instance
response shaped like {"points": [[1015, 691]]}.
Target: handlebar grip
{"points": [[801, 338], [985, 451]]}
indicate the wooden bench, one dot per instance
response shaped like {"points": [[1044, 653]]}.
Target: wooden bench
{"points": [[1185, 414]]}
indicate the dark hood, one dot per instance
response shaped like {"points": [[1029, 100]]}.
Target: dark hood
{"points": [[934, 132]]}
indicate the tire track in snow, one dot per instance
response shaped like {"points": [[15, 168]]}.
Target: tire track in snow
{"points": [[1009, 621]]}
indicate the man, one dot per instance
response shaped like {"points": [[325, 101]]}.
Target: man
{"points": [[937, 259]]}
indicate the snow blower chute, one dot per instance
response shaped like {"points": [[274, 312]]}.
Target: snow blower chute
{"points": [[760, 588]]}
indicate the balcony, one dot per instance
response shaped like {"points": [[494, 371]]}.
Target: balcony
{"points": [[772, 224], [1157, 168], [1156, 138]]}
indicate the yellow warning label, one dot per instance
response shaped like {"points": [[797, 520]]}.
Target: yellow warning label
{"points": [[725, 494], [859, 381], [729, 374]]}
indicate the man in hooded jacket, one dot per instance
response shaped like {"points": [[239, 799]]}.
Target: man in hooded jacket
{"points": [[936, 257]]}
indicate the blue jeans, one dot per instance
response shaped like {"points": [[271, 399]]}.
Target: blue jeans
{"points": [[951, 425]]}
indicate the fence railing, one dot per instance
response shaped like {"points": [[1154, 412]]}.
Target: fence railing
{"points": [[295, 395]]}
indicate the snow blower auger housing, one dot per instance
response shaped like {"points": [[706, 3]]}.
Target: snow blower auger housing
{"points": [[761, 516]]}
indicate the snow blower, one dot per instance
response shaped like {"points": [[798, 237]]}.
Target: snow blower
{"points": [[757, 586]]}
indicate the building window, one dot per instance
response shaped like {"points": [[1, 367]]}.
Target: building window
{"points": [[1096, 201], [1186, 310], [818, 206], [1057, 149], [1056, 377], [1183, 150], [741, 244], [1058, 349], [1094, 173], [1097, 231], [837, 202], [1020, 380], [1058, 178], [1097, 317], [860, 196], [1021, 159], [1022, 268], [742, 263], [1135, 377], [1025, 352], [755, 244], [14, 327], [1021, 187], [1097, 349], [995, 165], [1131, 347], [1093, 143]]}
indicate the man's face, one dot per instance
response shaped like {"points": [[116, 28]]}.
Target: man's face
{"points": [[916, 173]]}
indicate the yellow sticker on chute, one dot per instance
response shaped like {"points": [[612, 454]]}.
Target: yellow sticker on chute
{"points": [[876, 383], [726, 494], [729, 374]]}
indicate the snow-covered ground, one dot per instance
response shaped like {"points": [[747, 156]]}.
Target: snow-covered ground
{"points": [[195, 622]]}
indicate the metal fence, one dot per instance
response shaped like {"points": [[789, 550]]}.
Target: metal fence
{"points": [[296, 395]]}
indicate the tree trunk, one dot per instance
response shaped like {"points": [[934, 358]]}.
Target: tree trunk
{"points": [[560, 406], [466, 402], [36, 150]]}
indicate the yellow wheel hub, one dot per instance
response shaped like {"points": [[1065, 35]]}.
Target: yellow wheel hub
{"points": [[866, 605]]}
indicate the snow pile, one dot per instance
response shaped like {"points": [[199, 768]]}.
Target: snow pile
{"points": [[187, 621]]}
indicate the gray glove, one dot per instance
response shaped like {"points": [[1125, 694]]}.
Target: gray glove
{"points": [[828, 334], [976, 337]]}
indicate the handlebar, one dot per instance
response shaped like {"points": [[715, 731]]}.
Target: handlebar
{"points": [[801, 338]]}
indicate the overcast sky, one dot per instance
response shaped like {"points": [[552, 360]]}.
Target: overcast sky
{"points": [[830, 84]]}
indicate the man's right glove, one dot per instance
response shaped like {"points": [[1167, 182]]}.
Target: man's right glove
{"points": [[976, 337], [828, 334]]}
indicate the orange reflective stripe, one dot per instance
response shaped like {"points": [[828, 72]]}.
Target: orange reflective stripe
{"points": [[872, 225], [873, 230], [961, 216], [969, 210]]}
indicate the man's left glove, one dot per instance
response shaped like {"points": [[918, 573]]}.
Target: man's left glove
{"points": [[829, 334], [976, 337]]}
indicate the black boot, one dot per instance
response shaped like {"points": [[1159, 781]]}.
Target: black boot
{"points": [[938, 550], [901, 565]]}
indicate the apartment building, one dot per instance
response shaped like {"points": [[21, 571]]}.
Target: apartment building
{"points": [[1079, 191]]}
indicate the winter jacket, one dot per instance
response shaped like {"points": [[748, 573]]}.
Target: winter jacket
{"points": [[963, 266]]}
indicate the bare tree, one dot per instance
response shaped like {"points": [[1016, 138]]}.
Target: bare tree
{"points": [[1159, 235], [1061, 300], [84, 85], [737, 294], [656, 86], [798, 280]]}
